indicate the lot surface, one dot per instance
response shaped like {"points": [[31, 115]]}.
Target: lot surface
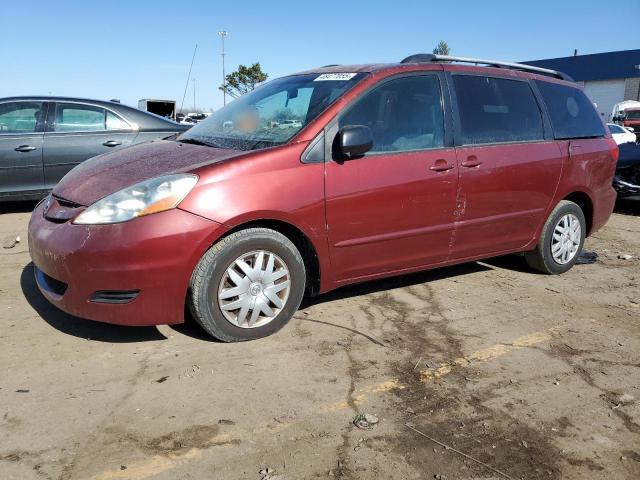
{"points": [[534, 376]]}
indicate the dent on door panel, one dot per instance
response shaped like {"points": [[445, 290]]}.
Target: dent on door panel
{"points": [[503, 199]]}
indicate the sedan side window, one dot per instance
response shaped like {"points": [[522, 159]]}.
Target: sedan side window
{"points": [[116, 123], [403, 114], [73, 117], [21, 117]]}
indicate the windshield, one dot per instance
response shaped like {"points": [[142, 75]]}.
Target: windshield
{"points": [[273, 113], [632, 115]]}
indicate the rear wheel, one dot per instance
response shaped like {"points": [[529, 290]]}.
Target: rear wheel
{"points": [[248, 285], [561, 240]]}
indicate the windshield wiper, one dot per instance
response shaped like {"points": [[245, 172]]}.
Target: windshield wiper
{"points": [[193, 141]]}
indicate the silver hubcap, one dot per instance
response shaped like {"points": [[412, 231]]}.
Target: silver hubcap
{"points": [[254, 289], [566, 239]]}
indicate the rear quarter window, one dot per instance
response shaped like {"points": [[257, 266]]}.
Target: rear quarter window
{"points": [[572, 113]]}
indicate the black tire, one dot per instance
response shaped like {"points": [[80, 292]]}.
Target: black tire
{"points": [[541, 258], [206, 278]]}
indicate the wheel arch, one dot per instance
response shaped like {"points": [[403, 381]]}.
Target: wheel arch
{"points": [[584, 201], [302, 242]]}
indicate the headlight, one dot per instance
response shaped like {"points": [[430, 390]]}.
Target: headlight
{"points": [[151, 196]]}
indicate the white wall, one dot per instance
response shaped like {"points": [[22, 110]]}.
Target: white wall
{"points": [[605, 94]]}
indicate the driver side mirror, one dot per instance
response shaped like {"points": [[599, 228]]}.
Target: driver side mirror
{"points": [[354, 140]]}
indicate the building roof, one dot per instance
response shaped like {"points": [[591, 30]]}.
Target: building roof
{"points": [[597, 66]]}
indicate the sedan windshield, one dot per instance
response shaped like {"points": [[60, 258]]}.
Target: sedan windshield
{"points": [[271, 114]]}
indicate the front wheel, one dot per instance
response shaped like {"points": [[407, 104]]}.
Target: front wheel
{"points": [[561, 240], [248, 285]]}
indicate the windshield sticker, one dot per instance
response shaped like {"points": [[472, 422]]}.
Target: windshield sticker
{"points": [[334, 76]]}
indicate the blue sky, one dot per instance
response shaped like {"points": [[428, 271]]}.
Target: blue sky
{"points": [[135, 49]]}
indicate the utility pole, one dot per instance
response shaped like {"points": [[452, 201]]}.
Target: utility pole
{"points": [[223, 33], [186, 85], [194, 94]]}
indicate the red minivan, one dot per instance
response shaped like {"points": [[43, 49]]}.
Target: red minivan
{"points": [[325, 178]]}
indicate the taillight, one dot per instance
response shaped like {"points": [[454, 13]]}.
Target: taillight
{"points": [[613, 149]]}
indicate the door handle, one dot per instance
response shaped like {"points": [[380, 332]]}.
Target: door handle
{"points": [[25, 148], [112, 143], [471, 161], [441, 165]]}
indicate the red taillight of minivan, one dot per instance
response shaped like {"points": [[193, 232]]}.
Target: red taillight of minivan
{"points": [[613, 149]]}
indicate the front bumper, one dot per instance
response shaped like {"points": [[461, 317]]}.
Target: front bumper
{"points": [[152, 256]]}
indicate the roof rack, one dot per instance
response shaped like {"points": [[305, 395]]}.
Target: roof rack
{"points": [[429, 58]]}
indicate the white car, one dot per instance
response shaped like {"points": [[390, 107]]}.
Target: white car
{"points": [[621, 134], [290, 124]]}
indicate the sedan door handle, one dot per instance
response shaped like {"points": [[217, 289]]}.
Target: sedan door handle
{"points": [[441, 165], [25, 148], [471, 161], [112, 143]]}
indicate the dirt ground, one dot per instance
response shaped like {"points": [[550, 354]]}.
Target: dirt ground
{"points": [[480, 371]]}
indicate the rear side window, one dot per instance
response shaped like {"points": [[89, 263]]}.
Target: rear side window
{"points": [[497, 110], [572, 113], [403, 114], [73, 117], [115, 123]]}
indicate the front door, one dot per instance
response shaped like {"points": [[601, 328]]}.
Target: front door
{"points": [[393, 208], [77, 132], [509, 165], [21, 126]]}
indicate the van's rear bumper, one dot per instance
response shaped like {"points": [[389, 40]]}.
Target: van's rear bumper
{"points": [[604, 204]]}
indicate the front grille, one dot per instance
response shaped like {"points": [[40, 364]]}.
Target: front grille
{"points": [[114, 296], [50, 284]]}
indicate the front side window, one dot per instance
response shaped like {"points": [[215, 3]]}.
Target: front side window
{"points": [[403, 114], [572, 113], [21, 117], [496, 110], [633, 115], [273, 113], [73, 117]]}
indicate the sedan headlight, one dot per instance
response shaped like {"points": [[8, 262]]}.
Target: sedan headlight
{"points": [[151, 196]]}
